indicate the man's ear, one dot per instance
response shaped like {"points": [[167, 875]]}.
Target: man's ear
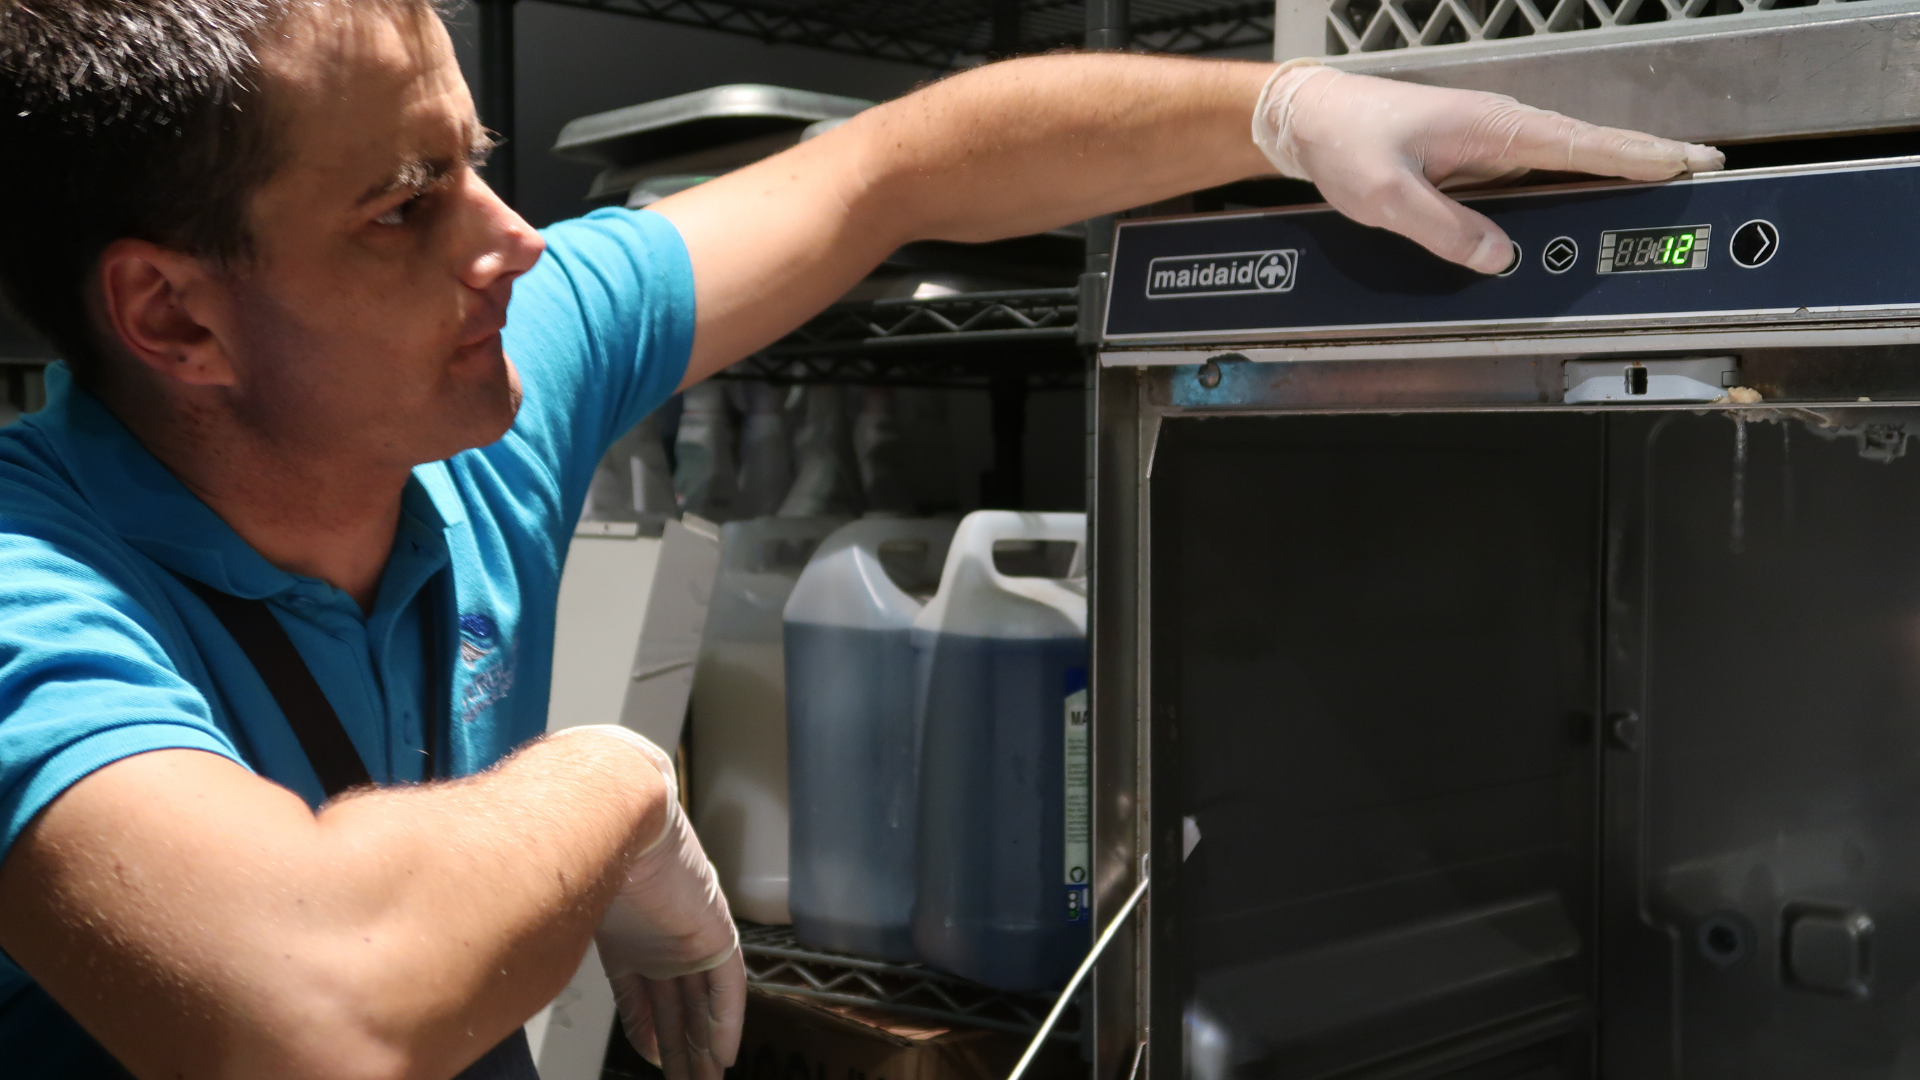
{"points": [[156, 301]]}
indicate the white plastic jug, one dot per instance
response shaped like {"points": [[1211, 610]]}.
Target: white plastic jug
{"points": [[881, 452], [826, 478], [739, 760], [1003, 850], [766, 451], [704, 475], [853, 746]]}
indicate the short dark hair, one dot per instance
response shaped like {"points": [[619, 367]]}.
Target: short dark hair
{"points": [[126, 118]]}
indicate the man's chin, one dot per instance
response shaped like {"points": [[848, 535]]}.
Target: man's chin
{"points": [[510, 401], [483, 405]]}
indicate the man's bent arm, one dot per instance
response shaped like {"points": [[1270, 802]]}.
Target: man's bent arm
{"points": [[1003, 150], [201, 921]]}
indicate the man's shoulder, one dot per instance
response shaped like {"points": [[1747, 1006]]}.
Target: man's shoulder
{"points": [[37, 489], [612, 254], [51, 537]]}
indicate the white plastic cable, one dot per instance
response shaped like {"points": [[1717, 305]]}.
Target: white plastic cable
{"points": [[1079, 976]]}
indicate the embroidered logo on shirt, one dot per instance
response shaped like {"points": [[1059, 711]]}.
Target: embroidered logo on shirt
{"points": [[491, 665], [477, 634]]}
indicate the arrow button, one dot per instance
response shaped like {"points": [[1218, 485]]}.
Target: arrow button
{"points": [[1754, 243]]}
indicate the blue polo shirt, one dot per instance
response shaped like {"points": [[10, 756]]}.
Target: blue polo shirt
{"points": [[104, 653]]}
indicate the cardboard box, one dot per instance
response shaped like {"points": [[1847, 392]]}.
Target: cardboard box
{"points": [[795, 1039]]}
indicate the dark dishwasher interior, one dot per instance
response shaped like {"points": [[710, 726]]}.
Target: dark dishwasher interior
{"points": [[1535, 745]]}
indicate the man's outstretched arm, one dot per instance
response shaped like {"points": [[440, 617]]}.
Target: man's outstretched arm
{"points": [[201, 921], [1032, 144]]}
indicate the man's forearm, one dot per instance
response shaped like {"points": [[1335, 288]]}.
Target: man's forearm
{"points": [[398, 931], [488, 890], [1028, 145]]}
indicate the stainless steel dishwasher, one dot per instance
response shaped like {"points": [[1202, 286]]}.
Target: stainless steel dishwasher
{"points": [[1518, 678]]}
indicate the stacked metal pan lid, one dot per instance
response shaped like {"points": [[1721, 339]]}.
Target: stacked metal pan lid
{"points": [[656, 148]]}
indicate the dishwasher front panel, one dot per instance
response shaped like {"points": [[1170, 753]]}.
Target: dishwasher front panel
{"points": [[1536, 745], [1806, 245]]}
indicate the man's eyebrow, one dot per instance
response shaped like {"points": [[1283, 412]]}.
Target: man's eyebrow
{"points": [[416, 175], [421, 174], [481, 143]]}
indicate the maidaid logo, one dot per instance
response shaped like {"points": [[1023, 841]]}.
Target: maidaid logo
{"points": [[1229, 274]]}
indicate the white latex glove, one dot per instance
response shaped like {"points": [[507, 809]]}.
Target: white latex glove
{"points": [[670, 948], [1380, 151]]}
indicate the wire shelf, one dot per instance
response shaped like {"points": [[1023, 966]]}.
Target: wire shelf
{"points": [[947, 34], [779, 964], [968, 339]]}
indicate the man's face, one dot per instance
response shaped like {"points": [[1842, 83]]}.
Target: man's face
{"points": [[368, 322]]}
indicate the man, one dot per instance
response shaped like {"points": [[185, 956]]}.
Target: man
{"points": [[313, 361]]}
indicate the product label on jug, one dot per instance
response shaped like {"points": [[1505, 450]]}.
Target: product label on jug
{"points": [[1079, 801]]}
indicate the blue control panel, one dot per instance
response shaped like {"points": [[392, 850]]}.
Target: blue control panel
{"points": [[1819, 241]]}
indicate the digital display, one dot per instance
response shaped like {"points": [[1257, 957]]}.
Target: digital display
{"points": [[1639, 251]]}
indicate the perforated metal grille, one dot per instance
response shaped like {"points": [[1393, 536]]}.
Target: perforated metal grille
{"points": [[1354, 26]]}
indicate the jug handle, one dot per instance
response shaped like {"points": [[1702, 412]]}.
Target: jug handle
{"points": [[1027, 525], [937, 551]]}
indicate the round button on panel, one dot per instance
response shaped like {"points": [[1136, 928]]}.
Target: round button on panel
{"points": [[1512, 264], [1560, 254], [1754, 243]]}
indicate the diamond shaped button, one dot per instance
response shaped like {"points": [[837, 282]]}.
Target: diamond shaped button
{"points": [[1560, 254]]}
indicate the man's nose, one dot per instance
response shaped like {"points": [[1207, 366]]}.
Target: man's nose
{"points": [[506, 245]]}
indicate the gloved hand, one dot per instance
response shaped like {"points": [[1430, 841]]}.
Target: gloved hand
{"points": [[670, 948], [1380, 151]]}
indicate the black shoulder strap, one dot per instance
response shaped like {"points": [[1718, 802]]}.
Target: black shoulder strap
{"points": [[267, 646]]}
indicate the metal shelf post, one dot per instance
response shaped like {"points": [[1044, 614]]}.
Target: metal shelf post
{"points": [[1004, 486]]}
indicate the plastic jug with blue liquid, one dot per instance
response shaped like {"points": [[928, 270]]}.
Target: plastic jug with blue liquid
{"points": [[1004, 854], [853, 739]]}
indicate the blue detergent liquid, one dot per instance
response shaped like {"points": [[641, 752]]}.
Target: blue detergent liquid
{"points": [[853, 759], [993, 902]]}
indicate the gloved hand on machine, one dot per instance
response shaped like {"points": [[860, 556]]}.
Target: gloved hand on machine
{"points": [[670, 947], [1381, 151]]}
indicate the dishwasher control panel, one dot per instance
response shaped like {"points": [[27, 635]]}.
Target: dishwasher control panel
{"points": [[1808, 243]]}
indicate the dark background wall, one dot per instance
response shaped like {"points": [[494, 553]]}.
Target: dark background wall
{"points": [[19, 343]]}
